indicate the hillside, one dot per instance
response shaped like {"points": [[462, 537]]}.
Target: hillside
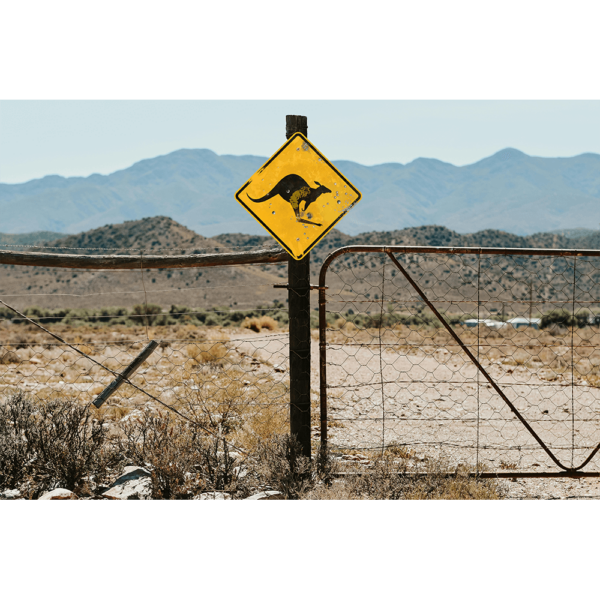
{"points": [[27, 239], [159, 235], [510, 191], [505, 279], [69, 288]]}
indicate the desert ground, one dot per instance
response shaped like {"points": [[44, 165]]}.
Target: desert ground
{"points": [[406, 388]]}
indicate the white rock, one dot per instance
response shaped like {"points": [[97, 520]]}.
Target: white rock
{"points": [[213, 496], [232, 455], [59, 494], [240, 472], [133, 484], [10, 495], [270, 495]]}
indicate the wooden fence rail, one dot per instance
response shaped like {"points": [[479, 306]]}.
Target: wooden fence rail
{"points": [[142, 261]]}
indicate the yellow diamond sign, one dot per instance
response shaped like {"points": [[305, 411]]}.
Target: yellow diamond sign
{"points": [[298, 196]]}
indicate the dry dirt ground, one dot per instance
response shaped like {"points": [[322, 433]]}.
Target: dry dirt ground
{"points": [[426, 400]]}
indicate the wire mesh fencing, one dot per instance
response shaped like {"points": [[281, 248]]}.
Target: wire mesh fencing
{"points": [[222, 358], [485, 357]]}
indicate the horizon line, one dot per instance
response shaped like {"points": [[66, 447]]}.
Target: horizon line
{"points": [[515, 150]]}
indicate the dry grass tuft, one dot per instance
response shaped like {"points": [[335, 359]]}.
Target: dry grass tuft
{"points": [[392, 479], [252, 323], [257, 324], [268, 323], [207, 352], [8, 357]]}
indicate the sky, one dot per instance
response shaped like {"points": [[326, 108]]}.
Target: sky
{"points": [[81, 137]]}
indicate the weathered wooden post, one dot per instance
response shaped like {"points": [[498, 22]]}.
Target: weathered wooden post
{"points": [[299, 316], [279, 191]]}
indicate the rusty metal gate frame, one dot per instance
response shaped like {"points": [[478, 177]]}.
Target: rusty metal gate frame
{"points": [[574, 472]]}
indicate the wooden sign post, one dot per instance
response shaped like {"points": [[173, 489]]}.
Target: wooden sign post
{"points": [[298, 196], [299, 317]]}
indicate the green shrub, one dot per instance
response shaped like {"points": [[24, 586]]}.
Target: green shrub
{"points": [[560, 317], [145, 313]]}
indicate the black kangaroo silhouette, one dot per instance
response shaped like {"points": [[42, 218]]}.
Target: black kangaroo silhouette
{"points": [[293, 189]]}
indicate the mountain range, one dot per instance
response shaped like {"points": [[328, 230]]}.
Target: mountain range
{"points": [[508, 191]]}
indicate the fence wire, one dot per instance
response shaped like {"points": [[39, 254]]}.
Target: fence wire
{"points": [[223, 360], [396, 377]]}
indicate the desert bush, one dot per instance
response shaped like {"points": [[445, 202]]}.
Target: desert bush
{"points": [[280, 464], [259, 323], [390, 478], [178, 314], [52, 444], [165, 446], [560, 318], [222, 469], [182, 459], [207, 352], [145, 313], [16, 453], [8, 356], [268, 323], [252, 323], [213, 320], [106, 315], [70, 446]]}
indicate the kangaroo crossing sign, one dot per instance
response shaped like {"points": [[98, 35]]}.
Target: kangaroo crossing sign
{"points": [[298, 196]]}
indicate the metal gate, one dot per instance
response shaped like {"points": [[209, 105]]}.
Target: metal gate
{"points": [[487, 357]]}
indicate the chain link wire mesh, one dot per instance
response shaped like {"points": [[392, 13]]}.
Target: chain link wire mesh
{"points": [[395, 377], [225, 365]]}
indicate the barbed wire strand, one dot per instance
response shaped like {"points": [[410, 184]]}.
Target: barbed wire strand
{"points": [[128, 381]]}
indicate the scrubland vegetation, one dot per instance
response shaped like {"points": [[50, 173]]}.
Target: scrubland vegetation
{"points": [[59, 443], [268, 317]]}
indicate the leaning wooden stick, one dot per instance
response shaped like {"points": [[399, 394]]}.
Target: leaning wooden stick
{"points": [[123, 379], [112, 387]]}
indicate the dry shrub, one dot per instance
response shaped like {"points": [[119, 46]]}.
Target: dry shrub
{"points": [[399, 451], [263, 422], [8, 357], [217, 403], [257, 324], [181, 458], [240, 405], [114, 412], [56, 443], [350, 327], [268, 323], [280, 464], [207, 352], [556, 330], [390, 479], [252, 323], [16, 452]]}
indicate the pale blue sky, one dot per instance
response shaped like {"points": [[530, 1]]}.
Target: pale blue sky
{"points": [[80, 137]]}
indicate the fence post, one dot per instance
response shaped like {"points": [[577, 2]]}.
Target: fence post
{"points": [[299, 317]]}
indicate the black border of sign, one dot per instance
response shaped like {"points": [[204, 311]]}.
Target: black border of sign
{"points": [[287, 143]]}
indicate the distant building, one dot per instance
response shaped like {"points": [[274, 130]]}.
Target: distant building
{"points": [[518, 322], [486, 322]]}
